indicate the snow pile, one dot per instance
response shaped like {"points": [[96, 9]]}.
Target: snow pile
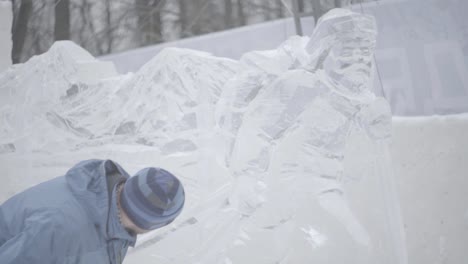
{"points": [[282, 153]]}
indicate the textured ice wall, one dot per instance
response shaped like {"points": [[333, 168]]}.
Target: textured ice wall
{"points": [[283, 153]]}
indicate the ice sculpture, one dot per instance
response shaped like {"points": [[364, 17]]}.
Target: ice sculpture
{"points": [[288, 130], [30, 92], [283, 153]]}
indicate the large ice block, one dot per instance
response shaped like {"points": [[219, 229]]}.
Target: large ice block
{"points": [[283, 153]]}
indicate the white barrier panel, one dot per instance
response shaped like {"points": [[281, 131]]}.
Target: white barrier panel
{"points": [[422, 55], [230, 43]]}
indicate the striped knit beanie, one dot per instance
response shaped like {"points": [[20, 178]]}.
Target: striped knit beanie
{"points": [[152, 198]]}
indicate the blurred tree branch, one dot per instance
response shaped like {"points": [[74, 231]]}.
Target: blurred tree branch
{"points": [[62, 20], [108, 26], [19, 29]]}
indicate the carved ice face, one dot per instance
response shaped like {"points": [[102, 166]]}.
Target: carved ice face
{"points": [[353, 57], [350, 62]]}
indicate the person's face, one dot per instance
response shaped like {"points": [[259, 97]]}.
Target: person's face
{"points": [[126, 221]]}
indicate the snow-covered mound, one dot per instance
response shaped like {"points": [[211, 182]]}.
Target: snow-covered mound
{"points": [[284, 154]]}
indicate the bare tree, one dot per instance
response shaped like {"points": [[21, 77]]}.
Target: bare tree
{"points": [[183, 16], [228, 14], [149, 21], [300, 6], [109, 28], [62, 20], [316, 10], [19, 29], [240, 13], [279, 8]]}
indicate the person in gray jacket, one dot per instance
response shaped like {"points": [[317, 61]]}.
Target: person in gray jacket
{"points": [[92, 214]]}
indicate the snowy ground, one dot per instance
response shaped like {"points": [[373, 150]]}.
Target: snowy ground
{"points": [[430, 157]]}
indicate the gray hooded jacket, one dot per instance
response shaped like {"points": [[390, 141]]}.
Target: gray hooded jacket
{"points": [[70, 219]]}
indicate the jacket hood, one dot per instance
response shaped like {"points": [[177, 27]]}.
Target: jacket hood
{"points": [[88, 182]]}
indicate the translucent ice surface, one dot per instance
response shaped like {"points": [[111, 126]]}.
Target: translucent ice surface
{"points": [[283, 153]]}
